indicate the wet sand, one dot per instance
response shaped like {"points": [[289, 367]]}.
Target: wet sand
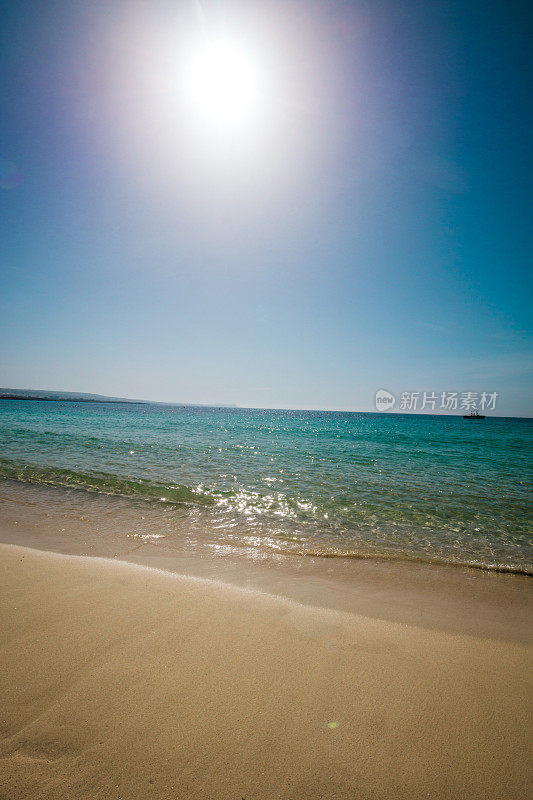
{"points": [[448, 599]]}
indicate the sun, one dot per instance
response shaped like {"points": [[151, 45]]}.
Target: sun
{"points": [[222, 86]]}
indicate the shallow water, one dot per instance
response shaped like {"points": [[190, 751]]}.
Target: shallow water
{"points": [[339, 484]]}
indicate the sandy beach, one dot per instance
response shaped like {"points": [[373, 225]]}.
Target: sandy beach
{"points": [[121, 681], [266, 401]]}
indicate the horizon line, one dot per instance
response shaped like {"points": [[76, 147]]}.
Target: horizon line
{"points": [[94, 397]]}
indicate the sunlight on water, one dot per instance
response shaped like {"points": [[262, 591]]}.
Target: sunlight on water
{"points": [[360, 485]]}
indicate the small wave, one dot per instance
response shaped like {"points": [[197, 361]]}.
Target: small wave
{"points": [[373, 555], [103, 483], [247, 510]]}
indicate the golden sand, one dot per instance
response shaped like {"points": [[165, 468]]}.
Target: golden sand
{"points": [[118, 681]]}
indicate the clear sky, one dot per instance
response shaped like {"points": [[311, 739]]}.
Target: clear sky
{"points": [[367, 226]]}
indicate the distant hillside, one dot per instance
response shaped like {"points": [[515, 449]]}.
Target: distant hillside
{"points": [[64, 397], [84, 397]]}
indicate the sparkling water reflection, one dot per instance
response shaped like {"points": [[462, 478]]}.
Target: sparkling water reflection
{"points": [[434, 488]]}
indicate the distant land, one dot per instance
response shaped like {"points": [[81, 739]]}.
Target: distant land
{"points": [[85, 397], [64, 397]]}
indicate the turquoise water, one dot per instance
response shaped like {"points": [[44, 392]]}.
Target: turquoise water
{"points": [[330, 483]]}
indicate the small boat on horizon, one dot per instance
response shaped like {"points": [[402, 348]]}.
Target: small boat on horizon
{"points": [[474, 415]]}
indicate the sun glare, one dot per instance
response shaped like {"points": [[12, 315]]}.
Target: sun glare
{"points": [[222, 86]]}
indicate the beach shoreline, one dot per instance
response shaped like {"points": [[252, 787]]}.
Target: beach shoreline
{"points": [[446, 598], [135, 667]]}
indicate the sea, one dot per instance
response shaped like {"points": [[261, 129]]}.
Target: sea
{"points": [[321, 483]]}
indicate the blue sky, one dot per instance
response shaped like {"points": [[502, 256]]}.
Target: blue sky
{"points": [[373, 231]]}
